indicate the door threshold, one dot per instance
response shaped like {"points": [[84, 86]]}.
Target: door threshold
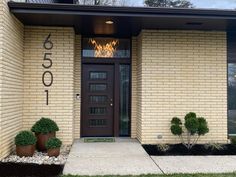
{"points": [[99, 140]]}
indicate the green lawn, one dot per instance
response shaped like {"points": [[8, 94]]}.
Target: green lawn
{"points": [[177, 175]]}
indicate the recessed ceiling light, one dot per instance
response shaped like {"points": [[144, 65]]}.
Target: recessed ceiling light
{"points": [[109, 22]]}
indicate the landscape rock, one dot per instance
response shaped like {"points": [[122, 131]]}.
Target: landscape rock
{"points": [[40, 158]]}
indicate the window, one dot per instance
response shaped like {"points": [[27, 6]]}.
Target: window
{"points": [[106, 48], [99, 75], [231, 56], [97, 111], [98, 87], [232, 98], [124, 100]]}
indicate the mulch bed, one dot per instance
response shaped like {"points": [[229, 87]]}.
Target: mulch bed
{"points": [[29, 170], [179, 149]]}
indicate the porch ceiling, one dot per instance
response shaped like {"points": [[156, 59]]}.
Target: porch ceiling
{"points": [[90, 20]]}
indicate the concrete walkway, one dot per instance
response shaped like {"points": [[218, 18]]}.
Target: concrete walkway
{"points": [[123, 157], [196, 164], [126, 157]]}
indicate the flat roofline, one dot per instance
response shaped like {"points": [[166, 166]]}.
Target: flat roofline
{"points": [[120, 11], [90, 20]]}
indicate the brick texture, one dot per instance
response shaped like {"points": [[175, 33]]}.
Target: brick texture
{"points": [[61, 93], [11, 78], [77, 85], [134, 89], [179, 72]]}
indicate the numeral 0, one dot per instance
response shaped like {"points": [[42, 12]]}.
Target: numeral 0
{"points": [[51, 78]]}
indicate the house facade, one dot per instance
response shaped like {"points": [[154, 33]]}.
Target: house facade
{"points": [[115, 71]]}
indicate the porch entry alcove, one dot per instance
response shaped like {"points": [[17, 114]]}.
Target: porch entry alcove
{"points": [[106, 86]]}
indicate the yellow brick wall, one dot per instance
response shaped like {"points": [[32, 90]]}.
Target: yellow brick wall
{"points": [[139, 88], [179, 72], [77, 85], [61, 93], [11, 78], [134, 88]]}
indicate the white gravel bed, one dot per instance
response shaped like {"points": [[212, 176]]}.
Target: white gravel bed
{"points": [[41, 158]]}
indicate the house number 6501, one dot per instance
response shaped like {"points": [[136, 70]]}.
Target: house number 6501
{"points": [[47, 64]]}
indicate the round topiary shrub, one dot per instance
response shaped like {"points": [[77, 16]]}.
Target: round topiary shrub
{"points": [[25, 144], [53, 147], [25, 138], [53, 143], [44, 129], [45, 125]]}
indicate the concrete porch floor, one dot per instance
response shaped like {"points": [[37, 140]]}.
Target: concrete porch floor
{"points": [[123, 157], [127, 157]]}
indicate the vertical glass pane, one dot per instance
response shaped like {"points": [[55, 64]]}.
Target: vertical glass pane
{"points": [[124, 100], [232, 98]]}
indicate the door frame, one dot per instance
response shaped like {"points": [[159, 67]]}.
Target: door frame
{"points": [[109, 61]]}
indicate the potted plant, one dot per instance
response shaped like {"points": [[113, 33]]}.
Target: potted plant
{"points": [[44, 129], [53, 146], [25, 144]]}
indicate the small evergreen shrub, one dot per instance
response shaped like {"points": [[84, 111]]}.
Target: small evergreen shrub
{"points": [[233, 140], [53, 143], [195, 127], [25, 138], [45, 125]]}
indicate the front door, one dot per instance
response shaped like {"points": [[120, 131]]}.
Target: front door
{"points": [[97, 100]]}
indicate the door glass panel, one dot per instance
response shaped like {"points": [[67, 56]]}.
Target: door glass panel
{"points": [[124, 100], [97, 87], [98, 99], [232, 98], [98, 75], [97, 111], [97, 122], [106, 48]]}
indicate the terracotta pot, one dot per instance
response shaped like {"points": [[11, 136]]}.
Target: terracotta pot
{"points": [[27, 151], [54, 152], [42, 139]]}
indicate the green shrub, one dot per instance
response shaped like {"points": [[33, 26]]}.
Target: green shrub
{"points": [[25, 138], [233, 140], [53, 143], [195, 127], [45, 125], [191, 123], [202, 126], [190, 116], [176, 121], [176, 129]]}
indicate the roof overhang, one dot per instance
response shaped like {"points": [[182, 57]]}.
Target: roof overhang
{"points": [[90, 20]]}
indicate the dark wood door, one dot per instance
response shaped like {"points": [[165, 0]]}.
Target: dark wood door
{"points": [[97, 100]]}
